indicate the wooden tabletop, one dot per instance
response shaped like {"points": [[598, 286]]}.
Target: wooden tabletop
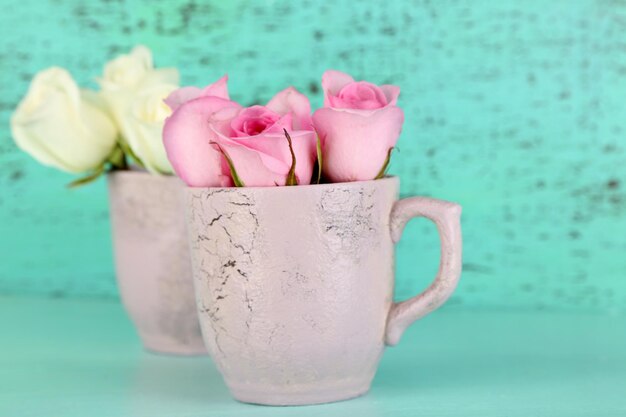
{"points": [[79, 357]]}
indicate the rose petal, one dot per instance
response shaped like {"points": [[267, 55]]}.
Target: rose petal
{"points": [[142, 54], [255, 169], [391, 93], [254, 120], [218, 89], [141, 125], [276, 147], [187, 136], [355, 143], [291, 100], [160, 76], [184, 94], [332, 82], [304, 145]]}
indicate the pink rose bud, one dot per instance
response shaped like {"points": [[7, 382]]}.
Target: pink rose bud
{"points": [[256, 144], [202, 131], [357, 126], [187, 133]]}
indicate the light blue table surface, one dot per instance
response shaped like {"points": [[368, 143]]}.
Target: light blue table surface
{"points": [[66, 358]]}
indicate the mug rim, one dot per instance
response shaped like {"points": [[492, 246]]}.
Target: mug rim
{"points": [[387, 179], [143, 175]]}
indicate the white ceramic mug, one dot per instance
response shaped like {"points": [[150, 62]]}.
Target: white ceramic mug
{"points": [[294, 285], [152, 262]]}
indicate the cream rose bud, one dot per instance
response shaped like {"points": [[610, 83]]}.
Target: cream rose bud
{"points": [[134, 71], [142, 126], [133, 90], [62, 126]]}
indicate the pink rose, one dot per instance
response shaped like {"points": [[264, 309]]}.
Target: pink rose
{"points": [[201, 131], [185, 94], [358, 125], [187, 134]]}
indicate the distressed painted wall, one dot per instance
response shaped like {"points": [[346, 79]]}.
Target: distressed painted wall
{"points": [[517, 110]]}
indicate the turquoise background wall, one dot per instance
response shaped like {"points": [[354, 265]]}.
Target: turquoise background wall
{"points": [[515, 109]]}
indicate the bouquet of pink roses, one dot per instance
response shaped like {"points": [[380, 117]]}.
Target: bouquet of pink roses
{"points": [[212, 141]]}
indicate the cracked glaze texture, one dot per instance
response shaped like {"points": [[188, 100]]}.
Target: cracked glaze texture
{"points": [[152, 261], [294, 285]]}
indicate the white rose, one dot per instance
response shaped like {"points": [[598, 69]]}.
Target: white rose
{"points": [[142, 126], [134, 90], [134, 71], [62, 126]]}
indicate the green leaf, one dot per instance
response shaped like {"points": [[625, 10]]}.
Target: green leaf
{"points": [[233, 172], [382, 171], [117, 159], [128, 151], [319, 159], [88, 179], [291, 175]]}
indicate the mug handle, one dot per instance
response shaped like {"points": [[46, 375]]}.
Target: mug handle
{"points": [[447, 218]]}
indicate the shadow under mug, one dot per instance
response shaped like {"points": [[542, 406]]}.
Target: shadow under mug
{"points": [[294, 285]]}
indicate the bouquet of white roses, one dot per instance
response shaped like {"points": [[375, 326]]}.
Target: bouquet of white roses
{"points": [[91, 132]]}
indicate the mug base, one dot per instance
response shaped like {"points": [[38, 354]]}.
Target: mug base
{"points": [[175, 349], [282, 396]]}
